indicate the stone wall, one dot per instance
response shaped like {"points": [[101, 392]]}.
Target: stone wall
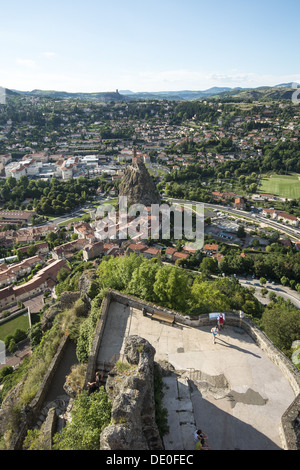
{"points": [[33, 410], [91, 367], [290, 419]]}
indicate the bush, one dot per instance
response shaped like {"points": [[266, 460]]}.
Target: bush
{"points": [[90, 415], [5, 371], [12, 347], [35, 335], [281, 323], [19, 335], [87, 329], [7, 340]]}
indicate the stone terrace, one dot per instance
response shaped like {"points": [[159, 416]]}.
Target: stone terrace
{"points": [[230, 389]]}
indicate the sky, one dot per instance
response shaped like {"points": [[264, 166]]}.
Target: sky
{"points": [[147, 45]]}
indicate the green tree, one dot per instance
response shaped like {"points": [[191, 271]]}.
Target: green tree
{"points": [[62, 274], [206, 297], [35, 335], [284, 281], [208, 266], [31, 251], [281, 323], [12, 347], [143, 280], [241, 233], [172, 287]]}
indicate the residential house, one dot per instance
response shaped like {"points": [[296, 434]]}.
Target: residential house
{"points": [[211, 249], [93, 250], [151, 252], [16, 171], [288, 218], [19, 270], [281, 216], [7, 296], [38, 156], [239, 203], [285, 242], [111, 249], [45, 278], [169, 253], [173, 255], [67, 250], [189, 250], [41, 248], [85, 231], [178, 255], [137, 248], [271, 213], [223, 197]]}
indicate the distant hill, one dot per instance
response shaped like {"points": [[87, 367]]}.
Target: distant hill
{"points": [[101, 96], [282, 91], [176, 95], [9, 92], [287, 85], [259, 94]]}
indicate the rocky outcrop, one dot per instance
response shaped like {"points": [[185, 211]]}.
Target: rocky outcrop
{"points": [[138, 186], [130, 387]]}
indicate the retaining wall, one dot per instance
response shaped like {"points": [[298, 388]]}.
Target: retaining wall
{"points": [[33, 410]]}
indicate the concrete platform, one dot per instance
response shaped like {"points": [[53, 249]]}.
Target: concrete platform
{"points": [[230, 389]]}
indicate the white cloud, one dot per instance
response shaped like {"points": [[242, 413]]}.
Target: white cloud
{"points": [[49, 54], [29, 63]]}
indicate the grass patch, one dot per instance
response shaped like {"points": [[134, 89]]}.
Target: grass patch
{"points": [[282, 186], [70, 221], [9, 327]]}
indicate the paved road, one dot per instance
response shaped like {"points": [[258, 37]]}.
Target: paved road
{"points": [[278, 289]]}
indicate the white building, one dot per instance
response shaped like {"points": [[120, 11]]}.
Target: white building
{"points": [[32, 166], [15, 169]]}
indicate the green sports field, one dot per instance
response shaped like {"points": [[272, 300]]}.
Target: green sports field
{"points": [[281, 186]]}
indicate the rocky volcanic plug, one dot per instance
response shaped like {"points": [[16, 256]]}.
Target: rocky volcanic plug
{"points": [[137, 185]]}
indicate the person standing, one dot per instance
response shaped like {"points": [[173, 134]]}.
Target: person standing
{"points": [[221, 321], [214, 332]]}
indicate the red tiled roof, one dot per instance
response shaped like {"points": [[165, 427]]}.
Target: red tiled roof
{"points": [[212, 247]]}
